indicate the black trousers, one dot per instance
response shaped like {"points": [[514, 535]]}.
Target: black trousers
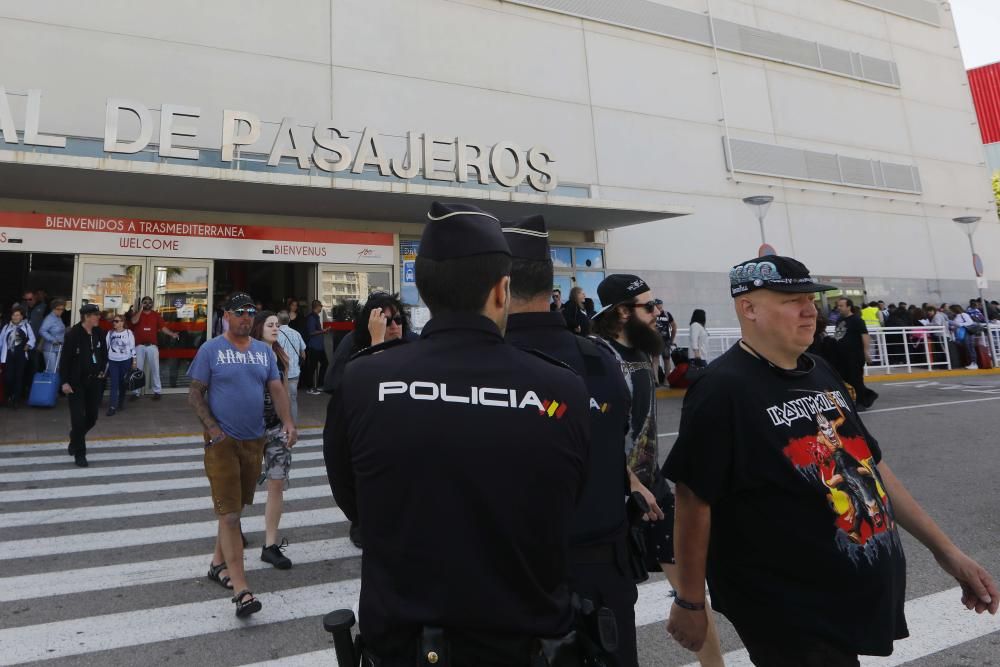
{"points": [[84, 404], [14, 374], [854, 375], [315, 360], [794, 650], [607, 585]]}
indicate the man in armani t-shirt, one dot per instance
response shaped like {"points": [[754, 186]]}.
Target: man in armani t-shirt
{"points": [[627, 325], [784, 501]]}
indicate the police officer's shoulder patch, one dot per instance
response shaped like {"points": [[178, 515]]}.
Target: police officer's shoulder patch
{"points": [[552, 360], [375, 349]]}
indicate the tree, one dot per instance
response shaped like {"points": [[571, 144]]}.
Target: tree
{"points": [[996, 190]]}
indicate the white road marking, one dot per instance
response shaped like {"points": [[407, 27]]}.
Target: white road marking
{"points": [[141, 441], [120, 511], [325, 658], [72, 472], [131, 537], [196, 450], [80, 636], [83, 580], [930, 405], [937, 622], [116, 488]]}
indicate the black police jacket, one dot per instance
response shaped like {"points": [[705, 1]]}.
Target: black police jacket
{"points": [[463, 458], [600, 517]]}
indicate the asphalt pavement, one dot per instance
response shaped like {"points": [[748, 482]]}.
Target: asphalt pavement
{"points": [[105, 566]]}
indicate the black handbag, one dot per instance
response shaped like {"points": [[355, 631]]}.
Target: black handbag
{"points": [[135, 379]]}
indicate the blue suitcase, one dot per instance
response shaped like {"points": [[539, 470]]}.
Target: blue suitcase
{"points": [[44, 390]]}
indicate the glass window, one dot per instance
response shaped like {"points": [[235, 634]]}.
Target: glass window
{"points": [[562, 258], [590, 258], [589, 280], [564, 283]]}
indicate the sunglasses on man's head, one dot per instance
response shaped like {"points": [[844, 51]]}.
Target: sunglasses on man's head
{"points": [[242, 312], [117, 321], [650, 306]]}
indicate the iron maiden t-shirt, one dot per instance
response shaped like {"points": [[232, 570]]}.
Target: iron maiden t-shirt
{"points": [[803, 536]]}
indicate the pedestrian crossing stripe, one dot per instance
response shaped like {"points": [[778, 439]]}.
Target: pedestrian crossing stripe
{"points": [[44, 569]]}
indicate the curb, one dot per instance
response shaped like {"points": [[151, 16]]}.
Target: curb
{"points": [[895, 377]]}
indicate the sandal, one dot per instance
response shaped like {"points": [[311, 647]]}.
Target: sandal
{"points": [[246, 603], [213, 574]]}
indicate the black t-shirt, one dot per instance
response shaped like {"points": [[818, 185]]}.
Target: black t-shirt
{"points": [[641, 446], [663, 321], [803, 537], [848, 334]]}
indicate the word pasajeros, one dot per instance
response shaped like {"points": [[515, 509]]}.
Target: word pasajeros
{"points": [[323, 145]]}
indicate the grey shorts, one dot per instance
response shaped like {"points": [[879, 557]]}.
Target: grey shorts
{"points": [[277, 457]]}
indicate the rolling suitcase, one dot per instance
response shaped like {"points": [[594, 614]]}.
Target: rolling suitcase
{"points": [[44, 389], [983, 359]]}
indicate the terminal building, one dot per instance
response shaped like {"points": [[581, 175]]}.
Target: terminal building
{"points": [[293, 149]]}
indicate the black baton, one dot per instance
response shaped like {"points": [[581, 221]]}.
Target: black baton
{"points": [[339, 624]]}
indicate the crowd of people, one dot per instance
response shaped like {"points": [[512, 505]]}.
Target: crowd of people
{"points": [[513, 519]]}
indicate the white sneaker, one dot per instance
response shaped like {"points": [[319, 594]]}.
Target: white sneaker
{"points": [[972, 367]]}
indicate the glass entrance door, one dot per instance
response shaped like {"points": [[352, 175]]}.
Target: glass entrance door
{"points": [[181, 293], [344, 288]]}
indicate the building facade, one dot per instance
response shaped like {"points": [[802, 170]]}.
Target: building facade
{"points": [[292, 149]]}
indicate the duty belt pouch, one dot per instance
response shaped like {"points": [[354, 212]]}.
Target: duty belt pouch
{"points": [[636, 508], [560, 652], [434, 648]]}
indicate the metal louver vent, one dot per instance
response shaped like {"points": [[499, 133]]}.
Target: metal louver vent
{"points": [[659, 19], [754, 157], [921, 10]]}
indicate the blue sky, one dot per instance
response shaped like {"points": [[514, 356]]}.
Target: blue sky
{"points": [[978, 24]]}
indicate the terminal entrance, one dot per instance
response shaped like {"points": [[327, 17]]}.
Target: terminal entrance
{"points": [[22, 271], [180, 289]]}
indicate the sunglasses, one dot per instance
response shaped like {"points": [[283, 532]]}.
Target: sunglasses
{"points": [[395, 319], [116, 321], [243, 312], [650, 306]]}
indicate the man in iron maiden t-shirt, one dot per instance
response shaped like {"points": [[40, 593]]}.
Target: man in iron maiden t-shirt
{"points": [[784, 501]]}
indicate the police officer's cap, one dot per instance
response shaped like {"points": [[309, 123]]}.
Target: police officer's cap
{"points": [[454, 231], [527, 238]]}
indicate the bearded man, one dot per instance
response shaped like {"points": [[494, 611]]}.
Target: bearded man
{"points": [[627, 325]]}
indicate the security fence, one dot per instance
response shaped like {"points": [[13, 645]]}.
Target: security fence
{"points": [[893, 349]]}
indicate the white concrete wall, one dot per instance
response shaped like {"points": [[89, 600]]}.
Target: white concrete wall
{"points": [[636, 115]]}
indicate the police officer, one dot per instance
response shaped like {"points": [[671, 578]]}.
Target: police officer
{"points": [[601, 566], [463, 458]]}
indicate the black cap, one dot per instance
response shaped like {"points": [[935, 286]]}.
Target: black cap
{"points": [[238, 300], [619, 288], [775, 273], [527, 238], [89, 309], [460, 230]]}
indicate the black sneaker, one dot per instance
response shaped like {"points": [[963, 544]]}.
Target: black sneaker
{"points": [[156, 397], [81, 460], [111, 411], [273, 555]]}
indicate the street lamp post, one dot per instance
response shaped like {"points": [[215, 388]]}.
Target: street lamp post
{"points": [[760, 204], [968, 225]]}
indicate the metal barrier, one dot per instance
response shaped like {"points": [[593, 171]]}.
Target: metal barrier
{"points": [[893, 349]]}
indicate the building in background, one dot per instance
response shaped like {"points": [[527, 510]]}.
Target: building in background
{"points": [[293, 149], [985, 85]]}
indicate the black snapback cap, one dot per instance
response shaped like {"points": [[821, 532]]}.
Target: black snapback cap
{"points": [[775, 273]]}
